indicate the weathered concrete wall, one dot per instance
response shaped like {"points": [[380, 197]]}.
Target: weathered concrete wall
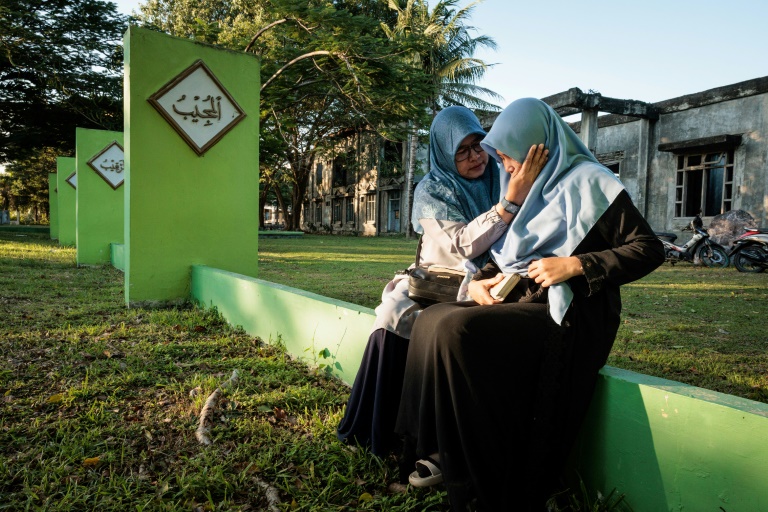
{"points": [[744, 116]]}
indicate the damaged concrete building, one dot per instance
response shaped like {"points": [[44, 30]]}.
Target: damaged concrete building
{"points": [[706, 151]]}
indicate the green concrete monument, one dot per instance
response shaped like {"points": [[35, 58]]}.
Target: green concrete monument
{"points": [[53, 205], [100, 202], [191, 164], [66, 183]]}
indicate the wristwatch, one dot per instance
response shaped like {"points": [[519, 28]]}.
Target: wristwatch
{"points": [[509, 206]]}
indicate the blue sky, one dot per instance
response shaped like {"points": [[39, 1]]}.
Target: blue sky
{"points": [[649, 51]]}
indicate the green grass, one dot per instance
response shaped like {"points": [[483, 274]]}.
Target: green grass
{"points": [[96, 409], [99, 403]]}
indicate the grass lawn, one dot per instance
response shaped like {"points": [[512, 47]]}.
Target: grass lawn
{"points": [[99, 404]]}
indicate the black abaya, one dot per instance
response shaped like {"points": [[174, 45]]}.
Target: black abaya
{"points": [[369, 419], [501, 391]]}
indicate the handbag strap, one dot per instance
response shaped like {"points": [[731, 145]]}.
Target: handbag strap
{"points": [[418, 251]]}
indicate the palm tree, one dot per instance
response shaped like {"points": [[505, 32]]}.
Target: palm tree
{"points": [[444, 48]]}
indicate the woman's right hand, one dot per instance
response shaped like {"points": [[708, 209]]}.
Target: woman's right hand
{"points": [[480, 290], [521, 178]]}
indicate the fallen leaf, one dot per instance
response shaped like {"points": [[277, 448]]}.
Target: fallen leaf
{"points": [[91, 462], [54, 399], [397, 488]]}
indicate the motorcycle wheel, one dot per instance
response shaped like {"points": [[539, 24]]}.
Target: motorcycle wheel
{"points": [[746, 259], [712, 255]]}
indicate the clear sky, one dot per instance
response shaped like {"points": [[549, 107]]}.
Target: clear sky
{"points": [[649, 51]]}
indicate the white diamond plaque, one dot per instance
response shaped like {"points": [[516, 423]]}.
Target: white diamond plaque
{"points": [[109, 163], [72, 180], [198, 107]]}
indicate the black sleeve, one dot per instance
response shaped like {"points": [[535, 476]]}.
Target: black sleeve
{"points": [[619, 249]]}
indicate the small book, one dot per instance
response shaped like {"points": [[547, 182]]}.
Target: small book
{"points": [[502, 289]]}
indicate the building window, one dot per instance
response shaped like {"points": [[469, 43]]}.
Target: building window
{"points": [[318, 175], [704, 182], [614, 167], [336, 210], [350, 209], [370, 208]]}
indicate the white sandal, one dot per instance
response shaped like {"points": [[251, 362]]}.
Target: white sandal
{"points": [[427, 473]]}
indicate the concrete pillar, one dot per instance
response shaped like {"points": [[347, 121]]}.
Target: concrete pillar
{"points": [[588, 132], [643, 159]]}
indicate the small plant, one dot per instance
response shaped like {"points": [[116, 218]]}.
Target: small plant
{"points": [[584, 501]]}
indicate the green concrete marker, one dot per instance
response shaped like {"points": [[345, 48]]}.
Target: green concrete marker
{"points": [[100, 201], [53, 205], [192, 173], [66, 181]]}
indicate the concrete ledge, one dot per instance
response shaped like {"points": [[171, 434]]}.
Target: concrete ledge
{"points": [[14, 228], [671, 446], [306, 323], [117, 256], [281, 234], [665, 445]]}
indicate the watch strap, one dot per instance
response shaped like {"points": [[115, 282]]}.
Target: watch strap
{"points": [[509, 206]]}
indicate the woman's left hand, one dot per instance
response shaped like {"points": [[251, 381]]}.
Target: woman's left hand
{"points": [[480, 290], [549, 271]]}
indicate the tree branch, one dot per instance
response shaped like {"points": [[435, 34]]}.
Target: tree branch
{"points": [[291, 63]]}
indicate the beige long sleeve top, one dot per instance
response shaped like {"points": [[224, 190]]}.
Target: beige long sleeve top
{"points": [[444, 243]]}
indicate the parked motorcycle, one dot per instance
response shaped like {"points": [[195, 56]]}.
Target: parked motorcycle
{"points": [[700, 249], [749, 252]]}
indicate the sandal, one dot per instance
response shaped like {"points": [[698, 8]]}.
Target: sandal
{"points": [[427, 473]]}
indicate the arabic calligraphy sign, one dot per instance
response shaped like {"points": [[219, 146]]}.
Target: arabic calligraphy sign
{"points": [[109, 163], [198, 107], [72, 180]]}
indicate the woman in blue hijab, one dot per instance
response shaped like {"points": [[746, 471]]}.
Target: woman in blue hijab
{"points": [[498, 389], [457, 212]]}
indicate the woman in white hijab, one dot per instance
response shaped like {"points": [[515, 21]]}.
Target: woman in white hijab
{"points": [[498, 390]]}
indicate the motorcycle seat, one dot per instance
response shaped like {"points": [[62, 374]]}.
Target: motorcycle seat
{"points": [[669, 237]]}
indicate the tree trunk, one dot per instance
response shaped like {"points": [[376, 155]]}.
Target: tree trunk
{"points": [[302, 168], [408, 196], [281, 206]]}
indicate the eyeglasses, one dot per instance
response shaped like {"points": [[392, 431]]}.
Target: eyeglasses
{"points": [[464, 151]]}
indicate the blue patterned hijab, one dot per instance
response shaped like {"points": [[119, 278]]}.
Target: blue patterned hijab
{"points": [[566, 200], [444, 194]]}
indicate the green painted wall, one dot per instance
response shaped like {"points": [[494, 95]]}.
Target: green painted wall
{"points": [[667, 446], [65, 166], [671, 446], [183, 209], [100, 208], [306, 323], [117, 256], [53, 205]]}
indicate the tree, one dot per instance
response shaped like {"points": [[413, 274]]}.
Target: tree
{"points": [[444, 49], [26, 182], [327, 71], [60, 68]]}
